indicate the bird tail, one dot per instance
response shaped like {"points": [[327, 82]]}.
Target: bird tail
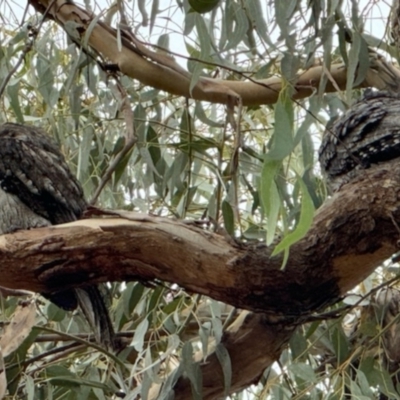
{"points": [[92, 304], [91, 301]]}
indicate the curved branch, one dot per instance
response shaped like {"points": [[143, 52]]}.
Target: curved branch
{"points": [[351, 235], [162, 72]]}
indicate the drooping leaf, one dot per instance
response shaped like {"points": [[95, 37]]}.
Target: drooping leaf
{"points": [[225, 361], [192, 370], [282, 140], [229, 217], [270, 197], [140, 332], [305, 221]]}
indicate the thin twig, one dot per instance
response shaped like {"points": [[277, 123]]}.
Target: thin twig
{"points": [[25, 51], [190, 157], [54, 337], [337, 313], [5, 292], [28, 47]]}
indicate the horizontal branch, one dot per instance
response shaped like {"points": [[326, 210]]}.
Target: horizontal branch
{"points": [[351, 235], [162, 72]]}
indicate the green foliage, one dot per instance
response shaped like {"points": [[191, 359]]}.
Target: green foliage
{"points": [[184, 165]]}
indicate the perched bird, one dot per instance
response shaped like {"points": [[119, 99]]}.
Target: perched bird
{"points": [[368, 133], [38, 189]]}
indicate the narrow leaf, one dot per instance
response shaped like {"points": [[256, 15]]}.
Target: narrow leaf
{"points": [[140, 332], [229, 219], [192, 370], [270, 197], [225, 361], [282, 139], [305, 221]]}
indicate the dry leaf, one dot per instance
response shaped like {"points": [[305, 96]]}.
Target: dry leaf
{"points": [[19, 328]]}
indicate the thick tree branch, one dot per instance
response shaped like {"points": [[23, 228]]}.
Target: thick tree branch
{"points": [[351, 235], [161, 72], [253, 345]]}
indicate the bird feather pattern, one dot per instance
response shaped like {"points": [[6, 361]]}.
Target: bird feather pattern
{"points": [[37, 189]]}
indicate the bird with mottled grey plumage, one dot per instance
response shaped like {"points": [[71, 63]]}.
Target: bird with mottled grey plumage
{"points": [[368, 133], [38, 189]]}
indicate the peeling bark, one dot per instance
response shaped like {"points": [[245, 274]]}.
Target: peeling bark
{"points": [[353, 233]]}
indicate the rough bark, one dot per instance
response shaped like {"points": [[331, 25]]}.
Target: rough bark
{"points": [[161, 72], [351, 235]]}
